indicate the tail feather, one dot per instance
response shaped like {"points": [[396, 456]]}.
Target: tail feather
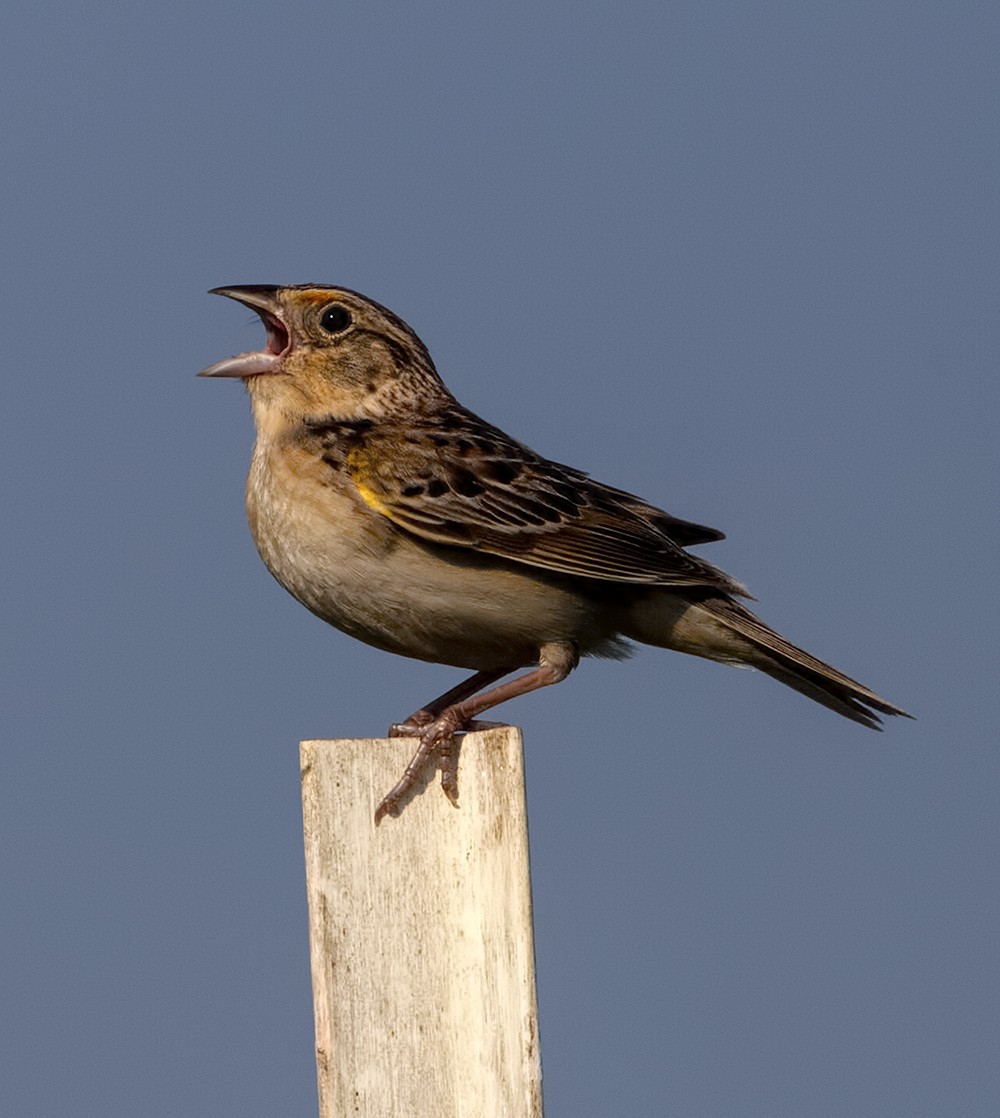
{"points": [[794, 667]]}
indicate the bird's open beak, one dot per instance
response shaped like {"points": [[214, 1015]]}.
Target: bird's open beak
{"points": [[263, 299]]}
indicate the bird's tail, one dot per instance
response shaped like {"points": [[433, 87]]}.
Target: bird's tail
{"points": [[792, 666], [719, 628]]}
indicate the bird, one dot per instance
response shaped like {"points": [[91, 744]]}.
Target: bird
{"points": [[403, 519]]}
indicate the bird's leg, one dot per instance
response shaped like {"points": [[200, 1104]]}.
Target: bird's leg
{"points": [[555, 662], [414, 725]]}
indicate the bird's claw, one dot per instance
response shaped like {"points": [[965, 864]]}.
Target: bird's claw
{"points": [[439, 745]]}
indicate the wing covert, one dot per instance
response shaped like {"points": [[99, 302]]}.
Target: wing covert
{"points": [[462, 482]]}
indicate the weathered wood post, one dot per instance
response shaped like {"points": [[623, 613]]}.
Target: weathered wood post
{"points": [[420, 934]]}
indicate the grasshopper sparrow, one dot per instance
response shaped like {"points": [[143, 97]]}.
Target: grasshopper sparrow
{"points": [[401, 518]]}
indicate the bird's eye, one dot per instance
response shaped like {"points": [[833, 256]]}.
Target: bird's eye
{"points": [[335, 319]]}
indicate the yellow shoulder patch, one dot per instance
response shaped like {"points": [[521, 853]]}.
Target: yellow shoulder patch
{"points": [[372, 499], [357, 467]]}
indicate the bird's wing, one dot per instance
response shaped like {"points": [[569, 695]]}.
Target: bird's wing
{"points": [[461, 482]]}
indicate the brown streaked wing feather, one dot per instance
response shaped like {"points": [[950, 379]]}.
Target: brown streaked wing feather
{"points": [[457, 480]]}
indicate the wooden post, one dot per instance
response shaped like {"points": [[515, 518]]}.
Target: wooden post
{"points": [[420, 934]]}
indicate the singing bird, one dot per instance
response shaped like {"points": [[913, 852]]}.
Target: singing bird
{"points": [[403, 519]]}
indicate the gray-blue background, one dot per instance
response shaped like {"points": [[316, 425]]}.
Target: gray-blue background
{"points": [[738, 258]]}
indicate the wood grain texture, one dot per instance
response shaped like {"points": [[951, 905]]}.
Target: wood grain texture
{"points": [[420, 934]]}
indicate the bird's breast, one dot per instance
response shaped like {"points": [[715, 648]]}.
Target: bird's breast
{"points": [[355, 569]]}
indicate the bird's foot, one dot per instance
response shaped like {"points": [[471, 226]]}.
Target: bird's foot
{"points": [[438, 746]]}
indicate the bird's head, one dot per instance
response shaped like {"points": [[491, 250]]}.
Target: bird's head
{"points": [[329, 352]]}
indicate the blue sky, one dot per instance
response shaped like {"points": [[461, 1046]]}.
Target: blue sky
{"points": [[741, 260]]}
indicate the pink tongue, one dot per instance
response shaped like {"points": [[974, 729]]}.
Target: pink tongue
{"points": [[244, 365]]}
